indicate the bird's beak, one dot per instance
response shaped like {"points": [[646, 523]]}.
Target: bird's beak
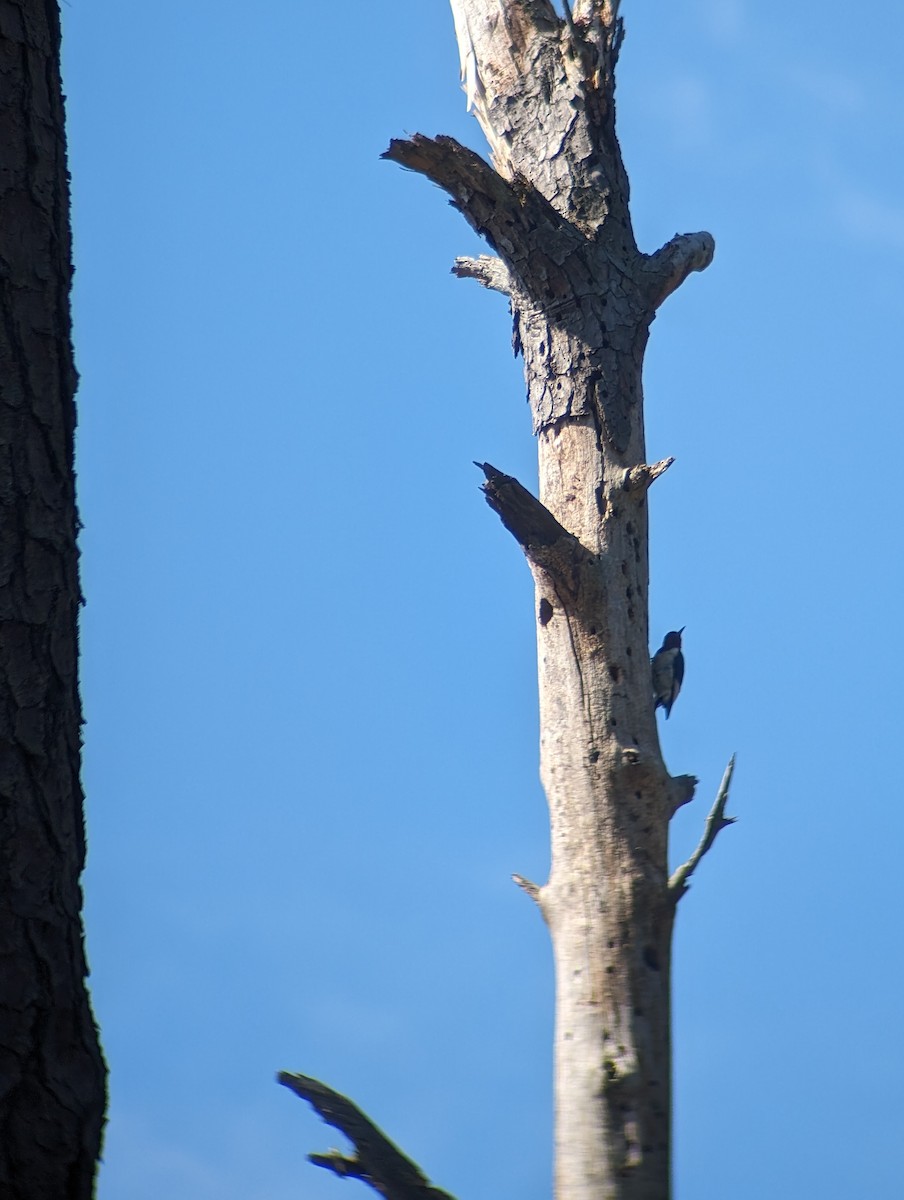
{"points": [[682, 629]]}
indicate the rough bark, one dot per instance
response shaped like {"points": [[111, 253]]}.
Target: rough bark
{"points": [[554, 208], [52, 1076]]}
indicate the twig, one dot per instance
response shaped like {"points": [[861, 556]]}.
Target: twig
{"points": [[377, 1161], [716, 821], [527, 886]]}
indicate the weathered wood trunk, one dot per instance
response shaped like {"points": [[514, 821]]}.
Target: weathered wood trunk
{"points": [[52, 1076], [554, 208]]}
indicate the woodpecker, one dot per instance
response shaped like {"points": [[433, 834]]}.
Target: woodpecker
{"points": [[668, 671]]}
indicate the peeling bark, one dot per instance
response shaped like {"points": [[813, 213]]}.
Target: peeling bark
{"points": [[52, 1076]]}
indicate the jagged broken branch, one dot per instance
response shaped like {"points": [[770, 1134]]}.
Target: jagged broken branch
{"points": [[512, 214], [487, 270], [521, 513], [715, 822], [376, 1161], [639, 478]]}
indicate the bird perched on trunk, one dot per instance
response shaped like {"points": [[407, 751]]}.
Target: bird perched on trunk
{"points": [[668, 671]]}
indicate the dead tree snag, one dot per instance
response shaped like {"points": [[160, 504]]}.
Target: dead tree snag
{"points": [[553, 206]]}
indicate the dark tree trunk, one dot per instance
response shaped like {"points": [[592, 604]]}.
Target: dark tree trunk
{"points": [[52, 1074]]}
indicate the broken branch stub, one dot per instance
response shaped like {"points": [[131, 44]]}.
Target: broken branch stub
{"points": [[377, 1161]]}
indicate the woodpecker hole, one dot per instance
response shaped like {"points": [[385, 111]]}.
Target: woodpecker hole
{"points": [[594, 756], [614, 673], [544, 614]]}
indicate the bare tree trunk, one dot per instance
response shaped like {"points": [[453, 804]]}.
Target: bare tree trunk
{"points": [[554, 208], [52, 1075]]}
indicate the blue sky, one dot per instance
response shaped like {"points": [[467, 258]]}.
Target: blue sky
{"points": [[308, 656]]}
